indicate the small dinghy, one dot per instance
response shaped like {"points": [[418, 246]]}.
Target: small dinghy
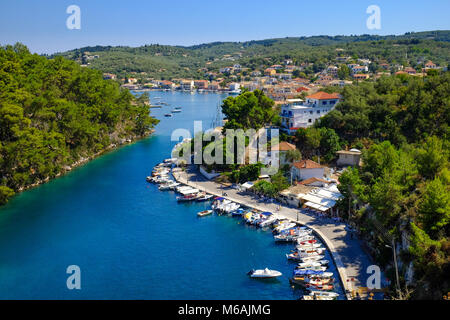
{"points": [[204, 213], [266, 273]]}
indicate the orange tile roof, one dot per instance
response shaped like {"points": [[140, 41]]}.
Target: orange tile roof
{"points": [[307, 164], [284, 146], [323, 96], [312, 180]]}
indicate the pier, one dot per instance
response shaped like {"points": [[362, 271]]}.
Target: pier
{"points": [[350, 259]]}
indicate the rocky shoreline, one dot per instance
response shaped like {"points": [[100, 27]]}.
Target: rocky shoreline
{"points": [[83, 160]]}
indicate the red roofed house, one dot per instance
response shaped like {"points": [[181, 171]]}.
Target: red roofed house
{"points": [[307, 169], [315, 182], [298, 114], [410, 70], [430, 65], [282, 148]]}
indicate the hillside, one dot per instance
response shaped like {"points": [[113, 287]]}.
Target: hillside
{"points": [[167, 62], [55, 114]]}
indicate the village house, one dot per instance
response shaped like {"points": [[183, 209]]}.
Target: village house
{"points": [[166, 84], [282, 149], [201, 84], [349, 158], [361, 76], [187, 85], [332, 71], [297, 113], [315, 182], [430, 65], [214, 86], [306, 169], [109, 76], [410, 70], [270, 72]]}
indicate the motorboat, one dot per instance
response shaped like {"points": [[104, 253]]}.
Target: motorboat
{"points": [[204, 213], [168, 186], [300, 256], [303, 238], [268, 222], [284, 226], [266, 273], [190, 197], [313, 263], [315, 268], [311, 258], [310, 250], [321, 295], [205, 197], [310, 246], [168, 115]]}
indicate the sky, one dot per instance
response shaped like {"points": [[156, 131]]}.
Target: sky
{"points": [[41, 24]]}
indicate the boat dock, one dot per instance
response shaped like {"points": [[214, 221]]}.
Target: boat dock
{"points": [[350, 259]]}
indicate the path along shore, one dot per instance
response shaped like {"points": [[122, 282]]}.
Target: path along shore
{"points": [[350, 259]]}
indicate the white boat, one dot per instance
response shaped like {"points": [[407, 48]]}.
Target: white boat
{"points": [[311, 258], [266, 273], [168, 186], [204, 213], [313, 263], [314, 268], [321, 295], [205, 197], [309, 246], [304, 238], [285, 226], [268, 222]]}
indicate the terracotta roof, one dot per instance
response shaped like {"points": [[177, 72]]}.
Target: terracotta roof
{"points": [[307, 164], [323, 96], [284, 146], [312, 180]]}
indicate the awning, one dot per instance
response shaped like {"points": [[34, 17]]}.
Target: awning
{"points": [[316, 206], [190, 191], [247, 185]]}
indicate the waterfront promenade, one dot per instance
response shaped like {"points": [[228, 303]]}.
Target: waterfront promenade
{"points": [[350, 259]]}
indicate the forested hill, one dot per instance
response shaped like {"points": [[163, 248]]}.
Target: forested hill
{"points": [[167, 62], [54, 113]]}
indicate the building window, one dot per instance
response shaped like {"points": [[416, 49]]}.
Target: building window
{"points": [[309, 120], [318, 111]]}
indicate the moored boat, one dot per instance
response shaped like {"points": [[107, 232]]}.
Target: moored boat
{"points": [[204, 213], [266, 273]]}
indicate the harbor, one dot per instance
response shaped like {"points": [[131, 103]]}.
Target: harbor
{"points": [[309, 252]]}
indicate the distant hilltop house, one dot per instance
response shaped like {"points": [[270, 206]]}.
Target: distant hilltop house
{"points": [[349, 158], [307, 169], [361, 76], [109, 76], [300, 114], [430, 65], [410, 70], [270, 72]]}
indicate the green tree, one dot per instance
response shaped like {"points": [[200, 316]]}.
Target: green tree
{"points": [[434, 209]]}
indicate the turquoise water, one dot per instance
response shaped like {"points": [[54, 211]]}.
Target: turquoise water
{"points": [[130, 240]]}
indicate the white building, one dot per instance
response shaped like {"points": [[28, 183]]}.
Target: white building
{"points": [[299, 114], [307, 169], [187, 85]]}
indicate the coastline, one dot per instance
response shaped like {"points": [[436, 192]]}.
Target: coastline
{"points": [[82, 161]]}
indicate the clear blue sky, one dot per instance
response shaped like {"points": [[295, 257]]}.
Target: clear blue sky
{"points": [[41, 25]]}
